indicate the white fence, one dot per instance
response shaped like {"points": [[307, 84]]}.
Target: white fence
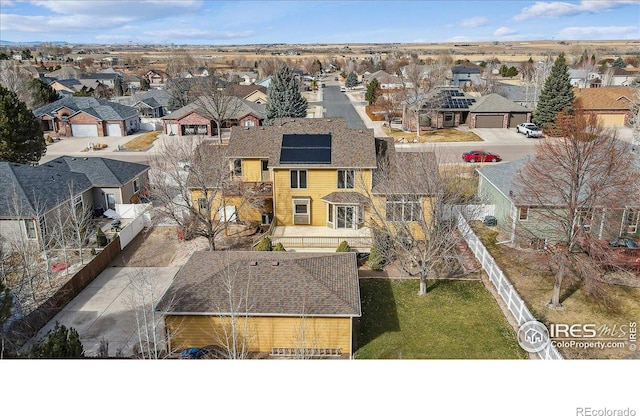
{"points": [[472, 212], [505, 289], [150, 124], [131, 230]]}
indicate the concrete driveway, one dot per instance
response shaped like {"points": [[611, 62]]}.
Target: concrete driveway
{"points": [[104, 309]]}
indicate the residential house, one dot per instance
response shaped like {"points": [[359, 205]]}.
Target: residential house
{"points": [[242, 77], [582, 77], [316, 181], [522, 221], [66, 72], [466, 75], [387, 81], [87, 117], [254, 93], [524, 95], [150, 104], [131, 82], [156, 78], [451, 107], [277, 304], [617, 77], [197, 117], [29, 195], [612, 105], [107, 79], [66, 87]]}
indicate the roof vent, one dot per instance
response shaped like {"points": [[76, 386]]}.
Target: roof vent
{"points": [[359, 131], [86, 158], [275, 263], [253, 263]]}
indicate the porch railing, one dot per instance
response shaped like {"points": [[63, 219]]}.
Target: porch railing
{"points": [[267, 233], [321, 242]]}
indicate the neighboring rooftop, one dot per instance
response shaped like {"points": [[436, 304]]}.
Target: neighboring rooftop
{"points": [[99, 170], [268, 283], [98, 108], [495, 103], [605, 98]]}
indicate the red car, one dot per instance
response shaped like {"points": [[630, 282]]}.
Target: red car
{"points": [[473, 156]]}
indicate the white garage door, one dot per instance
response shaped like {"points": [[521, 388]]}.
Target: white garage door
{"points": [[172, 129], [84, 130], [114, 130]]}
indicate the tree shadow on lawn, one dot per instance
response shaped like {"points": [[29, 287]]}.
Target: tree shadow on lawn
{"points": [[379, 313]]}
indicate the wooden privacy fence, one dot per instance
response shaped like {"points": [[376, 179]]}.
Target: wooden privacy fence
{"points": [[504, 287]]}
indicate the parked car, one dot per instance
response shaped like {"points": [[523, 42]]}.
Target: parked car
{"points": [[343, 89], [529, 130], [473, 156]]}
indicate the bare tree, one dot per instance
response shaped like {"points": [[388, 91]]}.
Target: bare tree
{"points": [[17, 80], [411, 204], [221, 106], [635, 116], [420, 84], [195, 199], [569, 180]]}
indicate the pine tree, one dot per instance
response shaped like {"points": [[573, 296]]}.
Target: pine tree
{"points": [[373, 91], [21, 139], [144, 84], [283, 97], [619, 63], [59, 342], [42, 93], [117, 87], [351, 81], [556, 95]]}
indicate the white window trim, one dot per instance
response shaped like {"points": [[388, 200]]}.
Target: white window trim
{"points": [[345, 174]]}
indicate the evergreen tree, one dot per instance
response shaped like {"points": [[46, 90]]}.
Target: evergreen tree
{"points": [[283, 97], [556, 95], [373, 91], [21, 139], [144, 84], [511, 72], [59, 342], [619, 63], [117, 87], [42, 93], [351, 81]]}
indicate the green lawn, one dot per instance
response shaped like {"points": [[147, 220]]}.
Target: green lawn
{"points": [[455, 320]]}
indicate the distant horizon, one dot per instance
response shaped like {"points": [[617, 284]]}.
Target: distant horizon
{"points": [[237, 23]]}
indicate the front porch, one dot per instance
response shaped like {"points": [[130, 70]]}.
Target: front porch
{"points": [[308, 238]]}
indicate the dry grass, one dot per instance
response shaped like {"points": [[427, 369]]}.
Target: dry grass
{"points": [[142, 141], [435, 136], [532, 275]]}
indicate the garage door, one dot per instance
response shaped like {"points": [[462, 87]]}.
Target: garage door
{"points": [[172, 129], [84, 130], [114, 130], [611, 119], [517, 118], [489, 121]]}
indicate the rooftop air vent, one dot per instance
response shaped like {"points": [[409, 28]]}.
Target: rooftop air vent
{"points": [[253, 263], [275, 263]]}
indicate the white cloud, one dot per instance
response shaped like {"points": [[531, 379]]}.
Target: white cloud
{"points": [[503, 31], [474, 21], [137, 10], [558, 9], [598, 32], [170, 34]]}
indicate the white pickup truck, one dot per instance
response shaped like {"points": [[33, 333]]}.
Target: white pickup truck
{"points": [[529, 130]]}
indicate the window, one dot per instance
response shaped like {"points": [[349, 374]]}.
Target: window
{"points": [[30, 227], [203, 204], [249, 123], [330, 213], [237, 167], [345, 179], [301, 208], [301, 211], [403, 208], [585, 217], [136, 185], [42, 224], [632, 218], [77, 203], [523, 213], [264, 164], [298, 179]]}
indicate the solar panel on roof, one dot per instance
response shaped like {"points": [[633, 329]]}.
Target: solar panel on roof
{"points": [[306, 140], [306, 148]]}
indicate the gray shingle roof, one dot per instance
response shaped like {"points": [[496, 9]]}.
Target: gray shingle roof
{"points": [[162, 97], [350, 148], [316, 284], [38, 189], [204, 107], [100, 171], [98, 108], [494, 103], [502, 175], [345, 198]]}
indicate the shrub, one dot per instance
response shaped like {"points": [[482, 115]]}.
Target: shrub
{"points": [[376, 261], [279, 247], [343, 248], [60, 342], [93, 251], [264, 245], [101, 239], [48, 139]]}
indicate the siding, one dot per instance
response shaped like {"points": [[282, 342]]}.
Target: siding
{"points": [[251, 170], [263, 333], [488, 193]]}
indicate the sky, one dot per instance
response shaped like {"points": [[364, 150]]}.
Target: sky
{"points": [[211, 22]]}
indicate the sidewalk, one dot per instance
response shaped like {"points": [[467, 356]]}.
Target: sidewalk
{"points": [[357, 100]]}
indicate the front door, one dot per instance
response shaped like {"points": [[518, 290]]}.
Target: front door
{"points": [[346, 216], [111, 201]]}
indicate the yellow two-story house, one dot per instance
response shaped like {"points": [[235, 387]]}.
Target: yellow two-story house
{"points": [[319, 182]]}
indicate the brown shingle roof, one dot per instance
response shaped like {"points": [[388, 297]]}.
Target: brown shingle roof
{"points": [[404, 172], [241, 91], [350, 148], [320, 284], [604, 98], [345, 198]]}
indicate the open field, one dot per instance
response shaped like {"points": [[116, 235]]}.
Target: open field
{"points": [[455, 320]]}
